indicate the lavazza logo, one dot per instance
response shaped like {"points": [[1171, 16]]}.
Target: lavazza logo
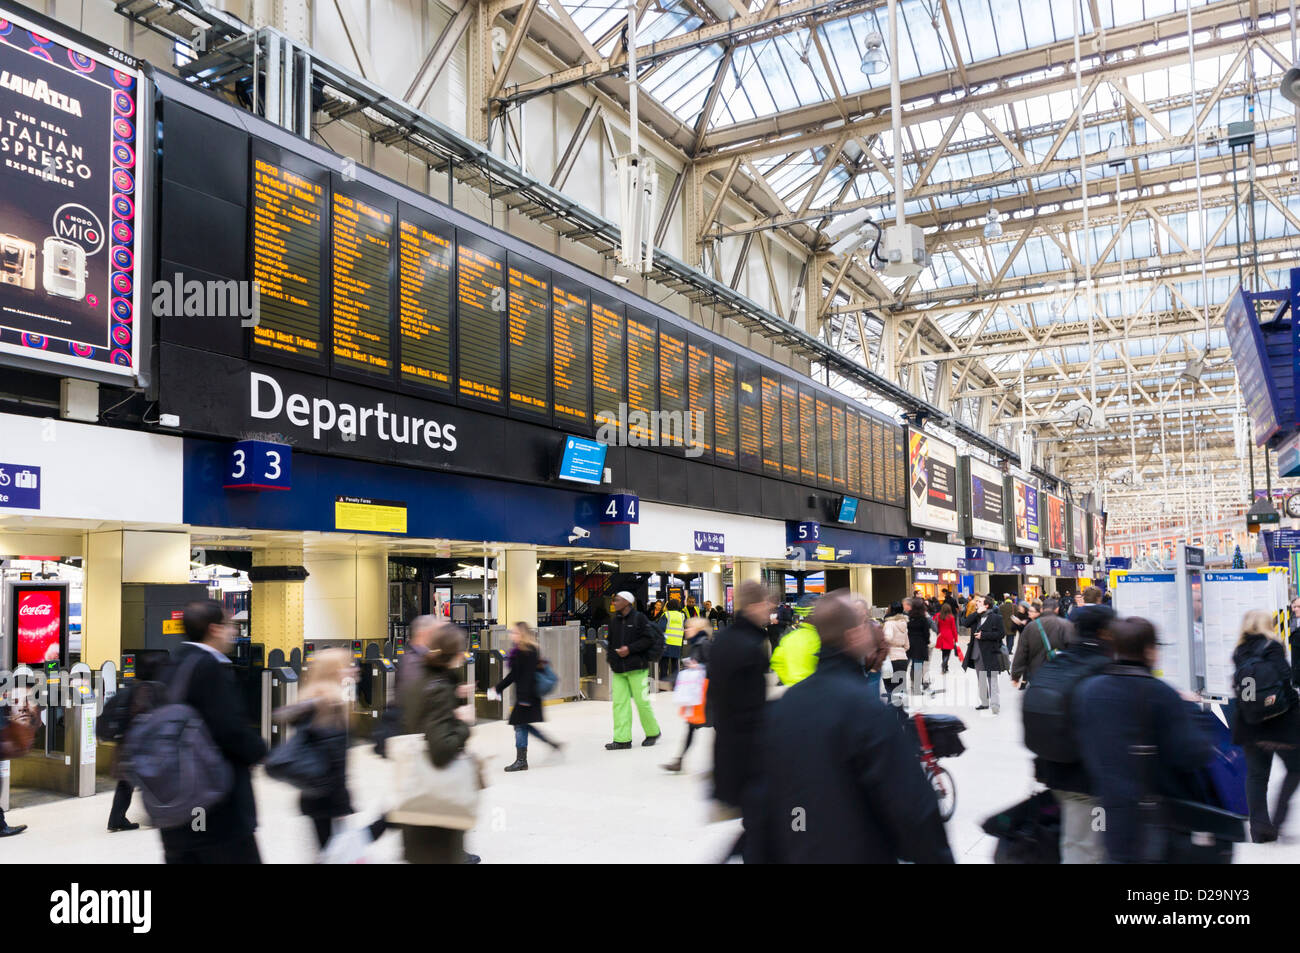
{"points": [[75, 907]]}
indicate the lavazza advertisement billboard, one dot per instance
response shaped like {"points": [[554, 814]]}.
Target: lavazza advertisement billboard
{"points": [[70, 186]]}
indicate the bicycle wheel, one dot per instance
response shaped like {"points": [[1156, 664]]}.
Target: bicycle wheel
{"points": [[945, 789]]}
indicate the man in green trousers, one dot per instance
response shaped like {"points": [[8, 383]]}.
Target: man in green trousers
{"points": [[631, 637]]}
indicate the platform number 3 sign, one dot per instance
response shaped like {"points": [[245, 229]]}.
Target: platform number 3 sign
{"points": [[258, 465]]}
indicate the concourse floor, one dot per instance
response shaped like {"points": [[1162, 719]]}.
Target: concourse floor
{"points": [[590, 806]]}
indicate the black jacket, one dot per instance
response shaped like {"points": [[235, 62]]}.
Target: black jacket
{"points": [[1112, 713], [737, 673], [527, 709], [918, 637], [213, 693], [1072, 777], [841, 783], [635, 631], [1030, 651], [1285, 728], [992, 657], [332, 739]]}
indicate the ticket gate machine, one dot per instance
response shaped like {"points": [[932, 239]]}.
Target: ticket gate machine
{"points": [[284, 692]]}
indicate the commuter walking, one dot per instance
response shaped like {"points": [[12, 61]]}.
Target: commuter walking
{"points": [[201, 677], [431, 706], [834, 755], [918, 644], [137, 696], [631, 640], [947, 640], [990, 660], [1267, 721], [1019, 619], [1045, 634], [1008, 612], [526, 713], [696, 659], [1139, 741], [738, 687], [897, 644], [795, 656], [673, 626], [1089, 597]]}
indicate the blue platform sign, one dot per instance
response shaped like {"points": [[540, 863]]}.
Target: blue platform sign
{"points": [[259, 465], [975, 553], [805, 531], [909, 546], [583, 461], [20, 486], [706, 542], [620, 509], [1250, 356], [1022, 559]]}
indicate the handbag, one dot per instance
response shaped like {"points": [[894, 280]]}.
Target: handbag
{"points": [[689, 690], [546, 679], [432, 797], [301, 763]]}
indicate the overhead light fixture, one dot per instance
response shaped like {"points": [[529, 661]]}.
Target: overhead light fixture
{"points": [[874, 59], [993, 224], [1193, 370], [1290, 88]]}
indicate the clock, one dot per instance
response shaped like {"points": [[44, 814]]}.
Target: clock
{"points": [[1293, 506]]}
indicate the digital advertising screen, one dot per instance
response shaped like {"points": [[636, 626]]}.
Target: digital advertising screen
{"points": [[988, 514], [37, 618], [848, 510], [932, 482], [1054, 513], [1078, 531], [1025, 500], [1098, 539], [71, 181]]}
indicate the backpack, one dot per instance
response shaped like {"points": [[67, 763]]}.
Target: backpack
{"points": [[112, 722], [656, 650], [170, 756], [1260, 689], [1049, 728]]}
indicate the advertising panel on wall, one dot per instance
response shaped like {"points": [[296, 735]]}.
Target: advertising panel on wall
{"points": [[74, 142], [987, 503], [1098, 538], [1024, 501], [1078, 531], [931, 482], [1054, 520]]}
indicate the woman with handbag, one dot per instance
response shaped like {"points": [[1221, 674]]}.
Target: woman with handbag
{"points": [[695, 662], [439, 788], [526, 714]]}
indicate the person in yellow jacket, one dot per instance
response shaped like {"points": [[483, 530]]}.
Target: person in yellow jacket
{"points": [[673, 625], [795, 656]]}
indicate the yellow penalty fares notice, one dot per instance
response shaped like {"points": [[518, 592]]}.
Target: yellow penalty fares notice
{"points": [[369, 516]]}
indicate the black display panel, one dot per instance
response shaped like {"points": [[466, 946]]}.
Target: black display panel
{"points": [[672, 382], [750, 428], [288, 251], [528, 333], [864, 438], [896, 466], [807, 435], [839, 450], [571, 355], [425, 249], [853, 475], [724, 407], [361, 278], [789, 430], [699, 392], [878, 468], [771, 407], [642, 377], [480, 307], [824, 442], [608, 362]]}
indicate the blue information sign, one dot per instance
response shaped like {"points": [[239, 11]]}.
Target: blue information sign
{"points": [[909, 546], [583, 461], [706, 542], [621, 508], [20, 486], [848, 510], [258, 465], [797, 533]]}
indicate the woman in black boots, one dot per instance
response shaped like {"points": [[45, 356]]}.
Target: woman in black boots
{"points": [[527, 711]]}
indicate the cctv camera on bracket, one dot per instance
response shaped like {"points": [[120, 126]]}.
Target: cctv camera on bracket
{"points": [[578, 533]]}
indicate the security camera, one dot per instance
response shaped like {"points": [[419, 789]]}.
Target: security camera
{"points": [[794, 552], [578, 533]]}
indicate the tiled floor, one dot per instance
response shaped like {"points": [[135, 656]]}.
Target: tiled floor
{"points": [[591, 805]]}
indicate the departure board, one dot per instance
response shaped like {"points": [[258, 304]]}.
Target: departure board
{"points": [[896, 463], [839, 450], [724, 407], [607, 362], [807, 435], [571, 368], [361, 258], [853, 476], [789, 430], [287, 249], [480, 301], [528, 332], [823, 441], [424, 253], [672, 385], [878, 467], [771, 426], [864, 438], [642, 374], [750, 397], [699, 392]]}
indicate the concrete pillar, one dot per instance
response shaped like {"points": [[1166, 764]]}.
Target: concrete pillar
{"points": [[713, 588], [277, 608], [744, 569], [517, 586], [112, 559], [860, 582]]}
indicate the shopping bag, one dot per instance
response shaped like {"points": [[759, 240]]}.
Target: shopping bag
{"points": [[689, 690], [428, 796]]}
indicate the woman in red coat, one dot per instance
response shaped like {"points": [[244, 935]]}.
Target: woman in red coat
{"points": [[947, 640]]}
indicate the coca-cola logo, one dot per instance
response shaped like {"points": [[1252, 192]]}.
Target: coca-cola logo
{"points": [[45, 609]]}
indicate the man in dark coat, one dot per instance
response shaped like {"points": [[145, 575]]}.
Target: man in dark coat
{"points": [[989, 660], [1031, 653], [841, 782], [630, 640], [737, 674], [224, 834]]}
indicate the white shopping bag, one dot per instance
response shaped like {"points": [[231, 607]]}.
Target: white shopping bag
{"points": [[690, 688]]}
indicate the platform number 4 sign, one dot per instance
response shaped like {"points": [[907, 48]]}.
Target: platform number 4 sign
{"points": [[258, 465], [621, 508]]}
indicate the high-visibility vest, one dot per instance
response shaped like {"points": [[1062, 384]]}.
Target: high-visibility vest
{"points": [[676, 627]]}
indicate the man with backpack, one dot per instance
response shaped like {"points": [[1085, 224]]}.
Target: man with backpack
{"points": [[1045, 635], [200, 677], [634, 645], [1050, 733]]}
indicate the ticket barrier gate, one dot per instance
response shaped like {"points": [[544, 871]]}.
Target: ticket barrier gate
{"points": [[62, 758], [284, 692], [489, 668], [596, 686], [376, 689], [253, 679]]}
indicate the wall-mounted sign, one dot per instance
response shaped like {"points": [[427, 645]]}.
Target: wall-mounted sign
{"points": [[1024, 500], [1022, 559], [583, 461], [621, 509], [259, 465], [798, 533], [363, 515], [1054, 514], [706, 542], [931, 482], [987, 510], [975, 553], [908, 546], [20, 486]]}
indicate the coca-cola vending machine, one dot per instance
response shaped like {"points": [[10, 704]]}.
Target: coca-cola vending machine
{"points": [[35, 625]]}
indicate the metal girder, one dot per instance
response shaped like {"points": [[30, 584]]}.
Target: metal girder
{"points": [[512, 46], [439, 54]]}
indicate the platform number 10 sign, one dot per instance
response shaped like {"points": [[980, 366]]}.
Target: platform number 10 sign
{"points": [[621, 508], [258, 465]]}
